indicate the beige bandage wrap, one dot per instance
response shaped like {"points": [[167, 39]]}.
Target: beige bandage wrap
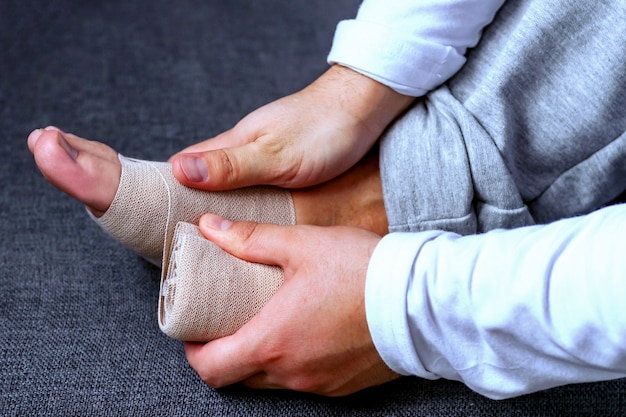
{"points": [[206, 293], [225, 293]]}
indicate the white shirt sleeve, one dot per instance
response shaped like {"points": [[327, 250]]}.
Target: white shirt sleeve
{"points": [[507, 312], [411, 46]]}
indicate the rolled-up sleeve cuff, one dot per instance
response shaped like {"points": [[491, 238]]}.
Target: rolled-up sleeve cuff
{"points": [[408, 65], [389, 276]]}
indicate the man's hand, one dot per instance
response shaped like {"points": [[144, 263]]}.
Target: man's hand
{"points": [[300, 140], [312, 335]]}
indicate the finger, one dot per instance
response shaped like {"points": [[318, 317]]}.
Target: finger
{"points": [[230, 168], [222, 362], [254, 242], [261, 381]]}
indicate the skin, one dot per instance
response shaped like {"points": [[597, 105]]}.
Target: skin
{"points": [[300, 140], [312, 335], [89, 171]]}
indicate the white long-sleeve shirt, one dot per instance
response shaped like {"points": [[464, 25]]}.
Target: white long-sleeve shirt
{"points": [[411, 46], [507, 312]]}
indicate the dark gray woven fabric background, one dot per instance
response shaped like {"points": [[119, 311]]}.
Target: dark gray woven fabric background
{"points": [[78, 330]]}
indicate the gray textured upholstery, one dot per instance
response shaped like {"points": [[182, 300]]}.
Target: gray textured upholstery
{"points": [[78, 328]]}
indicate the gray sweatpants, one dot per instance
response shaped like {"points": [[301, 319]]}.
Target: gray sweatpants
{"points": [[532, 129]]}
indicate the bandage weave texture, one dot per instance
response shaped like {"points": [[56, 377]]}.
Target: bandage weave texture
{"points": [[206, 293]]}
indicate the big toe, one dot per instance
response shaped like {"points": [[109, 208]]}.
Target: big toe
{"points": [[77, 167]]}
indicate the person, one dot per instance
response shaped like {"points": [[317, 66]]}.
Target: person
{"points": [[141, 205], [530, 130]]}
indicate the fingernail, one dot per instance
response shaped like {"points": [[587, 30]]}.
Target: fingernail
{"points": [[34, 135], [195, 168], [215, 222]]}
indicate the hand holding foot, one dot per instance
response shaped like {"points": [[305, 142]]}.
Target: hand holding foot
{"points": [[297, 141], [312, 335], [140, 203], [205, 293], [90, 172]]}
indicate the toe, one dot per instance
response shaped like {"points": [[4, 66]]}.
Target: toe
{"points": [[33, 137], [80, 144], [79, 171]]}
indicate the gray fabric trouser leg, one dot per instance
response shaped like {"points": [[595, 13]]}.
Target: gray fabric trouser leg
{"points": [[532, 129]]}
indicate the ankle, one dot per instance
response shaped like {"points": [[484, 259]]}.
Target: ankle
{"points": [[352, 199]]}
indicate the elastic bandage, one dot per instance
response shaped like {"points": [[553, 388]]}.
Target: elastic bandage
{"points": [[206, 293]]}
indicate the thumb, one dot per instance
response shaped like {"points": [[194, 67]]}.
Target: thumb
{"points": [[226, 168], [267, 244]]}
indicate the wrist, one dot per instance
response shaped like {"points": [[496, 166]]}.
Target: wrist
{"points": [[373, 104]]}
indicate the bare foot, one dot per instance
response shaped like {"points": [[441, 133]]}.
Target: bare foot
{"points": [[355, 198], [90, 172]]}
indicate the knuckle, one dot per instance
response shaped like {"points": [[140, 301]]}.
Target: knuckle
{"points": [[269, 355], [214, 378], [285, 159], [274, 146], [248, 235], [226, 165]]}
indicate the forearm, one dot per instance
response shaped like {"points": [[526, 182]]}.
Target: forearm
{"points": [[370, 103], [507, 312]]}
